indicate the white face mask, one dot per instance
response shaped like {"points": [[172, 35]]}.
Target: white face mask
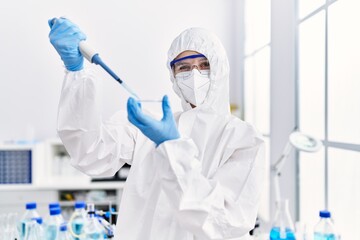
{"points": [[194, 85]]}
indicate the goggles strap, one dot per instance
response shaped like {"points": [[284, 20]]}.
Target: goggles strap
{"points": [[183, 58]]}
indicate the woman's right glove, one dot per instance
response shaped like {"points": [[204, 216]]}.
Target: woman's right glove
{"points": [[156, 131], [65, 36]]}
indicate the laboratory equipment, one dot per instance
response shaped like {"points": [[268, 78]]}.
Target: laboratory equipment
{"points": [[15, 166], [19, 163], [93, 229], [53, 224], [28, 216], [300, 142], [282, 227], [93, 57], [109, 228], [324, 229], [77, 221]]}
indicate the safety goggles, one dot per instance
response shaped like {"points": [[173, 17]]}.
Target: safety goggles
{"points": [[186, 75], [188, 63]]}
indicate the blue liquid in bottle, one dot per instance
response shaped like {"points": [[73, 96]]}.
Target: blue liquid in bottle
{"points": [[275, 234], [23, 229], [52, 232], [322, 236], [78, 228], [324, 229], [94, 235]]}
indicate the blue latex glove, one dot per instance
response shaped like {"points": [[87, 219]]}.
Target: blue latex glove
{"points": [[157, 131], [65, 37]]}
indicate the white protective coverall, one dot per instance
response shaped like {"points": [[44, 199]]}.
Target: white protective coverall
{"points": [[204, 185]]}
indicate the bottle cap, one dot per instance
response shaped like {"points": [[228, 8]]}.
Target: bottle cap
{"points": [[39, 220], [54, 205], [55, 211], [325, 214], [63, 227], [79, 204], [31, 205]]}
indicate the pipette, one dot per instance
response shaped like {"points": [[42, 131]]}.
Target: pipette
{"points": [[93, 57]]}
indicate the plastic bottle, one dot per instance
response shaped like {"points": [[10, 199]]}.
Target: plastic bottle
{"points": [[32, 232], [12, 231], [63, 234], [283, 227], [53, 224], [78, 220], [26, 218], [93, 229], [40, 231], [324, 229], [56, 205]]}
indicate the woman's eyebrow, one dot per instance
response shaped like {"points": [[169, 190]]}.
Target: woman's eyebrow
{"points": [[181, 63], [204, 59]]}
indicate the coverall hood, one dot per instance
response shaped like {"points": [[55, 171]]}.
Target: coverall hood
{"points": [[206, 43]]}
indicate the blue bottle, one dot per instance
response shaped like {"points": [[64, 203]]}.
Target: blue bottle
{"points": [[283, 227], [324, 229]]}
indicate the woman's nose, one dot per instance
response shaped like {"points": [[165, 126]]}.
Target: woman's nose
{"points": [[195, 66]]}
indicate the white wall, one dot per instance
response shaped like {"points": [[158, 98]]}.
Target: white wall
{"points": [[132, 37]]}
